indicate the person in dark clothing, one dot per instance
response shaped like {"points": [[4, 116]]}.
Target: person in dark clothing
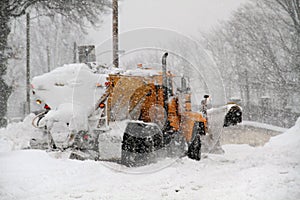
{"points": [[204, 103]]}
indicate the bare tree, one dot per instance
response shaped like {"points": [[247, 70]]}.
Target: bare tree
{"points": [[259, 46], [292, 9], [76, 11]]}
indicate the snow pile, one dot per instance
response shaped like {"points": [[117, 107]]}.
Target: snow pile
{"points": [[16, 136], [72, 92], [287, 145], [270, 172], [290, 138]]}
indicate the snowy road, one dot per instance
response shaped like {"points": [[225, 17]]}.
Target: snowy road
{"points": [[243, 172], [245, 134]]}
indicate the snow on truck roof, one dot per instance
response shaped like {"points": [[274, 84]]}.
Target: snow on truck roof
{"points": [[142, 72], [71, 92]]}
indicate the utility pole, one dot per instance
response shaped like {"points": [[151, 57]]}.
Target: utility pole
{"points": [[75, 53], [27, 110], [48, 58], [115, 33]]}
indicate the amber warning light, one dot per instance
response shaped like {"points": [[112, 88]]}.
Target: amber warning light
{"points": [[101, 105]]}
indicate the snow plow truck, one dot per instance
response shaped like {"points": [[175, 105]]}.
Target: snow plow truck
{"points": [[154, 119]]}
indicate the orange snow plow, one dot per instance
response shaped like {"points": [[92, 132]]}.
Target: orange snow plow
{"points": [[161, 120], [140, 115]]}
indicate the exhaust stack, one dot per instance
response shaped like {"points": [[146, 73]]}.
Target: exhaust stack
{"points": [[165, 86], [164, 70]]}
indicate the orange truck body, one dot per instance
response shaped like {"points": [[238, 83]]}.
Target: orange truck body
{"points": [[141, 98]]}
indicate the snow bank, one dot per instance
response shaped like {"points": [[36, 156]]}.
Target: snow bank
{"points": [[16, 136], [270, 172], [289, 141], [264, 126]]}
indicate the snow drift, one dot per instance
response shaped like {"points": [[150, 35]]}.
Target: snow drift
{"points": [[243, 172]]}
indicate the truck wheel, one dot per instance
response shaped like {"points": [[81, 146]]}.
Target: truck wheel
{"points": [[194, 149]]}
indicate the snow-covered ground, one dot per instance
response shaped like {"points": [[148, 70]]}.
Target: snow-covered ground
{"points": [[249, 132], [243, 172]]}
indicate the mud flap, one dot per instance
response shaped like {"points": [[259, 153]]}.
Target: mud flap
{"points": [[140, 143]]}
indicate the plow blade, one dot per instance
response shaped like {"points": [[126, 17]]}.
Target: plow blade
{"points": [[141, 141], [145, 143]]}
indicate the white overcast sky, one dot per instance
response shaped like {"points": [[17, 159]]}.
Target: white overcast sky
{"points": [[185, 16]]}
